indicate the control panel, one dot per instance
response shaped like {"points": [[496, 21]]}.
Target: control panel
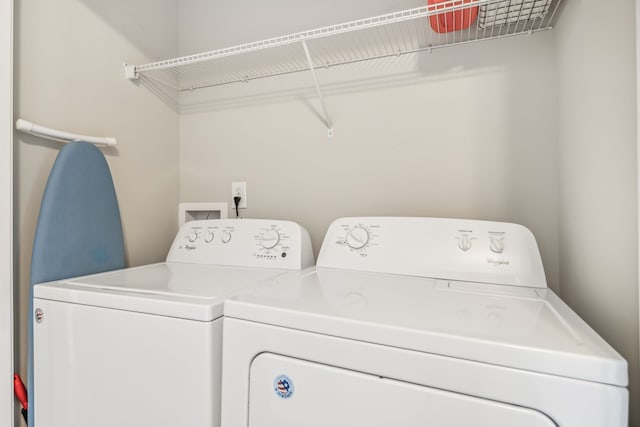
{"points": [[243, 243], [454, 249]]}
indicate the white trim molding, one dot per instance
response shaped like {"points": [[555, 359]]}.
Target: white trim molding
{"points": [[7, 407], [638, 137]]}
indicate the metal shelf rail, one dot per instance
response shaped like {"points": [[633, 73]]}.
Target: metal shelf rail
{"points": [[392, 34]]}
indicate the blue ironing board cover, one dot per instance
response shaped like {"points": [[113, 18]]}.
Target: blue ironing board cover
{"points": [[79, 230]]}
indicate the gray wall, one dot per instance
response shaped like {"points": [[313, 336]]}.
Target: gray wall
{"points": [[598, 173], [69, 75]]}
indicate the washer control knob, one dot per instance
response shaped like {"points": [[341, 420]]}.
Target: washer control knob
{"points": [[357, 237], [193, 237], [464, 243], [497, 244], [226, 237], [209, 237], [269, 239]]}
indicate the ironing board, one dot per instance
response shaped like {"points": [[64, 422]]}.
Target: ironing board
{"points": [[79, 230]]}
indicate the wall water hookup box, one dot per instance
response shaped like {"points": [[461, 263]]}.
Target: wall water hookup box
{"points": [[197, 211]]}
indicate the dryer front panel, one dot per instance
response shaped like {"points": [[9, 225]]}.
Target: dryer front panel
{"points": [[286, 392]]}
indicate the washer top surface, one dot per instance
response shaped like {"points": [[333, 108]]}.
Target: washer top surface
{"points": [[209, 260], [189, 291], [523, 328]]}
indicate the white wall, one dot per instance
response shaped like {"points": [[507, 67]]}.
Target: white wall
{"points": [[69, 75], [598, 173], [6, 224], [461, 132]]}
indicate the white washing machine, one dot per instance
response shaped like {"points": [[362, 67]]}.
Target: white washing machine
{"points": [[417, 321], [142, 346]]}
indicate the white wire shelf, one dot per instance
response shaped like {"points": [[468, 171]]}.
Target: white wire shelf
{"points": [[393, 34]]}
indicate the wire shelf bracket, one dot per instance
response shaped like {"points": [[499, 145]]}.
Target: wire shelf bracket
{"points": [[327, 118]]}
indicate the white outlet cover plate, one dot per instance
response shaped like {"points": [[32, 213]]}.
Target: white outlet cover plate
{"points": [[239, 187]]}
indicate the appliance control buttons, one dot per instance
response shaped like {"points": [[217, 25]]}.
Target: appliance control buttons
{"points": [[269, 239], [497, 244], [226, 237], [209, 237], [357, 238], [464, 243], [193, 237]]}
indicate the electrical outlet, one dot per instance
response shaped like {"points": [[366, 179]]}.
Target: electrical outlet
{"points": [[239, 189]]}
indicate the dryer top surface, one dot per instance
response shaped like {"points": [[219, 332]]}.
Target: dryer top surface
{"points": [[518, 327]]}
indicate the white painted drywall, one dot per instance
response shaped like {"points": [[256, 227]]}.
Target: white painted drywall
{"points": [[597, 122], [461, 132], [6, 213], [69, 75]]}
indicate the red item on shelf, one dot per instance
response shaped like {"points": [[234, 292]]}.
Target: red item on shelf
{"points": [[457, 20]]}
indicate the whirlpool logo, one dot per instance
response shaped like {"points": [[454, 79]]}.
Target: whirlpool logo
{"points": [[497, 262]]}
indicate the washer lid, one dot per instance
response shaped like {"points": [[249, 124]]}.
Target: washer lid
{"points": [[189, 291], [523, 328]]}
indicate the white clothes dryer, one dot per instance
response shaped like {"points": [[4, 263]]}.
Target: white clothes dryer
{"points": [[417, 321], [142, 346]]}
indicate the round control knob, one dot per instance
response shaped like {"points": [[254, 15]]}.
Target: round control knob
{"points": [[209, 237], [497, 245], [269, 239], [464, 243], [193, 237], [357, 238], [226, 237]]}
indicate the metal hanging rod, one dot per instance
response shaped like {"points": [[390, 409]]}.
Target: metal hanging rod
{"points": [[61, 136]]}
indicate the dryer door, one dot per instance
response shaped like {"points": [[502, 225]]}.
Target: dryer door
{"points": [[290, 392]]}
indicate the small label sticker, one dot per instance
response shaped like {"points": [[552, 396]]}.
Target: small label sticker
{"points": [[283, 386]]}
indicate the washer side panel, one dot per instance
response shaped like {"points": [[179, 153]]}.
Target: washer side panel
{"points": [[103, 367]]}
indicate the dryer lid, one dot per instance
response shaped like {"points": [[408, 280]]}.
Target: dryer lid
{"points": [[189, 291], [517, 327]]}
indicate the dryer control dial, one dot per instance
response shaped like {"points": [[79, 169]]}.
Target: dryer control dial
{"points": [[357, 237], [193, 237], [269, 239], [209, 237], [226, 236], [464, 243]]}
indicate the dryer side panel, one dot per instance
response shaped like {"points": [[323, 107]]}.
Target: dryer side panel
{"points": [[102, 367], [286, 391]]}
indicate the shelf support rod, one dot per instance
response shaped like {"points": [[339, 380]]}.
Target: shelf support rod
{"points": [[327, 119]]}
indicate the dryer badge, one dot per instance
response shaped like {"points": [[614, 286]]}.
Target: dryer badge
{"points": [[283, 386]]}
